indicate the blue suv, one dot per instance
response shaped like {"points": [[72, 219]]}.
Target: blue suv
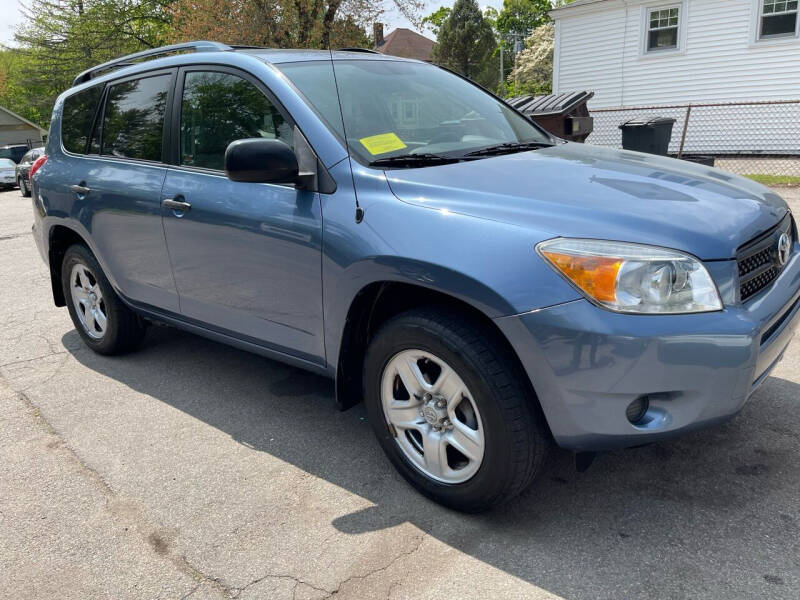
{"points": [[487, 290]]}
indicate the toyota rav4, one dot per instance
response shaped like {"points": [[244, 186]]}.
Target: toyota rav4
{"points": [[487, 290]]}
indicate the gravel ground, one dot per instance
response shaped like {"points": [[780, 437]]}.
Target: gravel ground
{"points": [[193, 470]]}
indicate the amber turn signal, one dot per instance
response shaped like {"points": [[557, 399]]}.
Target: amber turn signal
{"points": [[595, 275]]}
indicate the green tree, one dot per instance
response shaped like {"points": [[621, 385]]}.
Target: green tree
{"points": [[282, 23], [466, 43], [521, 17], [435, 20], [60, 38], [14, 95]]}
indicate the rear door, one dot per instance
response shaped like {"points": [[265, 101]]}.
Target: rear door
{"points": [[246, 257], [124, 173], [107, 176]]}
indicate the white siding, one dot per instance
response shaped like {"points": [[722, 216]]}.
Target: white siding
{"points": [[600, 49], [590, 55]]}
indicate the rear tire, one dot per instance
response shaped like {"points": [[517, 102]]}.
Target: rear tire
{"points": [[487, 409], [106, 325]]}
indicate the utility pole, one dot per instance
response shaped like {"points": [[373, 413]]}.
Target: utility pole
{"points": [[502, 78]]}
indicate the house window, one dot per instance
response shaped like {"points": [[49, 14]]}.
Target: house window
{"points": [[662, 28], [778, 18]]}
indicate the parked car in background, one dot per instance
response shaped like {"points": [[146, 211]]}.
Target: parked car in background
{"points": [[487, 289], [14, 151], [7, 175], [24, 167]]}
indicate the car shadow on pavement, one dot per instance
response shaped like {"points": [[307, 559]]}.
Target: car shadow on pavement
{"points": [[715, 510]]}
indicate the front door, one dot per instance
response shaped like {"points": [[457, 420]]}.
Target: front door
{"points": [[246, 257]]}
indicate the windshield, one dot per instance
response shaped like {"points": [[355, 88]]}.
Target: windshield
{"points": [[393, 108]]}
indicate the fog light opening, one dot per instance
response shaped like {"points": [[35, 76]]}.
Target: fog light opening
{"points": [[637, 410]]}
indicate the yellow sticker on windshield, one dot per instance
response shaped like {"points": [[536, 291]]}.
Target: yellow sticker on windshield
{"points": [[383, 143]]}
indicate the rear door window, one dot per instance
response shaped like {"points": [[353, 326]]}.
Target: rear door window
{"points": [[133, 119], [77, 118], [218, 108]]}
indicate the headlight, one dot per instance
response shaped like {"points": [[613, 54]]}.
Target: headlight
{"points": [[633, 278]]}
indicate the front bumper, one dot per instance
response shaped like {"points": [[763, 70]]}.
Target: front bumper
{"points": [[588, 364]]}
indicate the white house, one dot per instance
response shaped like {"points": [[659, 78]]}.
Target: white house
{"points": [[662, 53]]}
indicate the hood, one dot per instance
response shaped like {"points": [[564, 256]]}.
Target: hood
{"points": [[578, 190]]}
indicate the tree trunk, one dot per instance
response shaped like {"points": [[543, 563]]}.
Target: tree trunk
{"points": [[327, 22]]}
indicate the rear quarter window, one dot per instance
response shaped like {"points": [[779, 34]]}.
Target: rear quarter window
{"points": [[77, 119]]}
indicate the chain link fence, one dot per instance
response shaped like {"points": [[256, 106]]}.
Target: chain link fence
{"points": [[748, 138]]}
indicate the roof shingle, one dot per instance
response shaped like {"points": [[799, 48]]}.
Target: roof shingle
{"points": [[406, 43]]}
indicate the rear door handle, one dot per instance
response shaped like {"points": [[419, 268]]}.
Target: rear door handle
{"points": [[81, 190], [177, 205]]}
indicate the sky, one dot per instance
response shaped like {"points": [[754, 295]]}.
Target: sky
{"points": [[11, 17]]}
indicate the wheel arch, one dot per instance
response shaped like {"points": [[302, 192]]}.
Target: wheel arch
{"points": [[379, 301], [60, 238]]}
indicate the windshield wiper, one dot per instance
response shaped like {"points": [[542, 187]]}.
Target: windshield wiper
{"points": [[508, 148], [414, 159]]}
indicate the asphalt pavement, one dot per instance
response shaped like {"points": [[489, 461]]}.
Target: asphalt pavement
{"points": [[193, 470]]}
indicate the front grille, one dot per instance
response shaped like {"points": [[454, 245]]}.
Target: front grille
{"points": [[751, 263], [758, 283], [758, 260]]}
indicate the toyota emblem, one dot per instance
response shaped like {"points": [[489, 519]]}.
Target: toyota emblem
{"points": [[784, 249]]}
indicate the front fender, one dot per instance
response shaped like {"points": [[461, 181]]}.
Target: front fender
{"points": [[487, 264]]}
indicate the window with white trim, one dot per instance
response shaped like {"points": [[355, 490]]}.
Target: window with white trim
{"points": [[778, 19], [662, 28]]}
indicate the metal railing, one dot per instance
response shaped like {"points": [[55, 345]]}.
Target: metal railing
{"points": [[749, 138]]}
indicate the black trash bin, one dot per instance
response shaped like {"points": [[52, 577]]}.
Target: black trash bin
{"points": [[649, 135]]}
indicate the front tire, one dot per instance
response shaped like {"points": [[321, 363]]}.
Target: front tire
{"points": [[106, 325], [450, 408], [23, 187]]}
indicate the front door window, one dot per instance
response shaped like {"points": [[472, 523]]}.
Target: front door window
{"points": [[219, 108]]}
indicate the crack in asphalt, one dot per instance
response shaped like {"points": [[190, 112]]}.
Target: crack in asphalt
{"points": [[192, 591], [13, 236], [335, 591], [297, 582], [27, 360], [386, 567], [139, 520]]}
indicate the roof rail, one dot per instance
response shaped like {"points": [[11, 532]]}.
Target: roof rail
{"points": [[367, 50], [125, 61]]}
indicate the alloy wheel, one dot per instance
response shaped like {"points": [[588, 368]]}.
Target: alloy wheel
{"points": [[87, 298], [433, 415]]}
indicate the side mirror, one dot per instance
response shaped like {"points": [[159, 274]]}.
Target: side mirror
{"points": [[260, 160]]}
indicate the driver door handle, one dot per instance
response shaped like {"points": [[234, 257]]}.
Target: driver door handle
{"points": [[81, 190], [178, 205]]}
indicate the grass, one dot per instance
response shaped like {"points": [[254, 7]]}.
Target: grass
{"points": [[774, 179]]}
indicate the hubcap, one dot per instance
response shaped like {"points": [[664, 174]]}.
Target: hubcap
{"points": [[88, 300], [433, 415]]}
